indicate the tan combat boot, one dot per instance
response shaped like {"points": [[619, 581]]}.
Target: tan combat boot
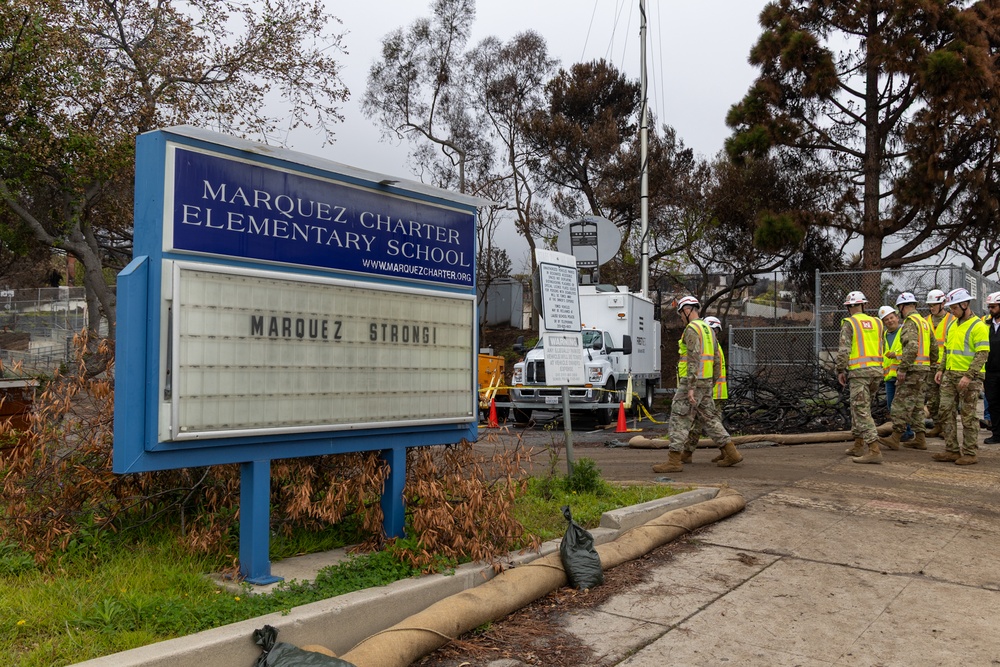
{"points": [[892, 442], [673, 463], [919, 441], [730, 456], [947, 457], [874, 454], [966, 460], [718, 457], [858, 449], [934, 432], [686, 456]]}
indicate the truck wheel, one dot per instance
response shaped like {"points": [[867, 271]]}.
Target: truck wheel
{"points": [[520, 416], [650, 396], [604, 415]]}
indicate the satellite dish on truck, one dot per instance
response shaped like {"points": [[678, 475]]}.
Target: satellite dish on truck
{"points": [[593, 240]]}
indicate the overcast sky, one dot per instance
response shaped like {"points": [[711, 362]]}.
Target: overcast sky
{"points": [[696, 56]]}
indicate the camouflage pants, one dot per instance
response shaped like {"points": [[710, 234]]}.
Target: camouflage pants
{"points": [[686, 417], [862, 390], [933, 399], [958, 403], [908, 404], [694, 434]]}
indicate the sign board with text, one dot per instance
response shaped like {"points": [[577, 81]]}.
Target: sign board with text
{"points": [[559, 286], [280, 305], [266, 353], [563, 358]]}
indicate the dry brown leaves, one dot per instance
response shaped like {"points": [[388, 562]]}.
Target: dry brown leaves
{"points": [[58, 481]]}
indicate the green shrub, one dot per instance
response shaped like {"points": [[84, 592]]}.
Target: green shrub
{"points": [[585, 478]]}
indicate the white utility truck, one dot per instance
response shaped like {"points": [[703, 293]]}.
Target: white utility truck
{"points": [[620, 336]]}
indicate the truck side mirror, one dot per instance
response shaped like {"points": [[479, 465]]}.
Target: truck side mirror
{"points": [[626, 344], [518, 345]]}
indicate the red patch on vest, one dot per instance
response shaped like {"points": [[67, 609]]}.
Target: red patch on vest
{"points": [[865, 324]]}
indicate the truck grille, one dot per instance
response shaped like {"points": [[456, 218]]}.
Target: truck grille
{"points": [[535, 372]]}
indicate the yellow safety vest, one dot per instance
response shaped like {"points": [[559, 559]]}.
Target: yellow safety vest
{"points": [[721, 388], [962, 341], [866, 348], [707, 351], [923, 358], [941, 327], [890, 364]]}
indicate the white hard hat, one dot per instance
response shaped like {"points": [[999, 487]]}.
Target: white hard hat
{"points": [[687, 301], [714, 322], [855, 298], [885, 310], [905, 297], [935, 296], [993, 298], [957, 296]]}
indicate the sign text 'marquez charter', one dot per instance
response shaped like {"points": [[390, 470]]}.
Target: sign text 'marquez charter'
{"points": [[310, 221]]}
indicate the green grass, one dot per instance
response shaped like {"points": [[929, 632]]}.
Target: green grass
{"points": [[539, 510], [110, 593]]}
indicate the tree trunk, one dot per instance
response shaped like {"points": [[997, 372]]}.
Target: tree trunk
{"points": [[871, 253]]}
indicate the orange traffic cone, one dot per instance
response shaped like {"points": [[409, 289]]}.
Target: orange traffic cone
{"points": [[492, 421], [622, 426]]}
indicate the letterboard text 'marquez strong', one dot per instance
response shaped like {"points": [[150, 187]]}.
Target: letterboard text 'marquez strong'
{"points": [[276, 326]]}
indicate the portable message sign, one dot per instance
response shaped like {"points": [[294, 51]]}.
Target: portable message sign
{"points": [[279, 305]]}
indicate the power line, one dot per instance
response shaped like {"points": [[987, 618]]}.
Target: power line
{"points": [[589, 28]]}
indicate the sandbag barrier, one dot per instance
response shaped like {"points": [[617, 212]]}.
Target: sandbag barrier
{"points": [[513, 589]]}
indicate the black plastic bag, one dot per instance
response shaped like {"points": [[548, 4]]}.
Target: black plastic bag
{"points": [[581, 562], [280, 654]]}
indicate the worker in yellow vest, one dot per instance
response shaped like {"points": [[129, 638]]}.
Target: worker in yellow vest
{"points": [[721, 389], [698, 370], [916, 352], [960, 374], [719, 392], [859, 362], [938, 318], [891, 349]]}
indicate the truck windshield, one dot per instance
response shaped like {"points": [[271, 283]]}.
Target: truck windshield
{"points": [[590, 336]]}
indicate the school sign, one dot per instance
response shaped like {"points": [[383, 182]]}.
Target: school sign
{"points": [[279, 305]]}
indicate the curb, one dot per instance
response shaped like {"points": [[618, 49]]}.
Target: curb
{"points": [[340, 623]]}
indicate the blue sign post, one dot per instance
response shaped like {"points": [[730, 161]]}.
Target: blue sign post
{"points": [[279, 305]]}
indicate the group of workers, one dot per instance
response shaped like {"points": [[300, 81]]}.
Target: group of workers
{"points": [[940, 363]]}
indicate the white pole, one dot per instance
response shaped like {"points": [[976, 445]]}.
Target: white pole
{"points": [[643, 157]]}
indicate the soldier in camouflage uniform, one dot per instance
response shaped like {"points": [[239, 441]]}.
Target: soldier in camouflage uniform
{"points": [[698, 371], [938, 318], [960, 374], [719, 392], [919, 351], [859, 362]]}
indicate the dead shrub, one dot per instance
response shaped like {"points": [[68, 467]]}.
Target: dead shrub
{"points": [[460, 503], [58, 481]]}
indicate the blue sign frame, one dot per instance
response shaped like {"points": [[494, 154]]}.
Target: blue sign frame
{"points": [[205, 197]]}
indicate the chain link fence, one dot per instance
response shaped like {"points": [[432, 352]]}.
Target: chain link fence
{"points": [[882, 288], [781, 376], [37, 327]]}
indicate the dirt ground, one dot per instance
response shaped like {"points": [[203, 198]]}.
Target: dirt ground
{"points": [[533, 635]]}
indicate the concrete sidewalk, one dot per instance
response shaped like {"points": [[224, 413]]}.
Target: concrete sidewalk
{"points": [[891, 564]]}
